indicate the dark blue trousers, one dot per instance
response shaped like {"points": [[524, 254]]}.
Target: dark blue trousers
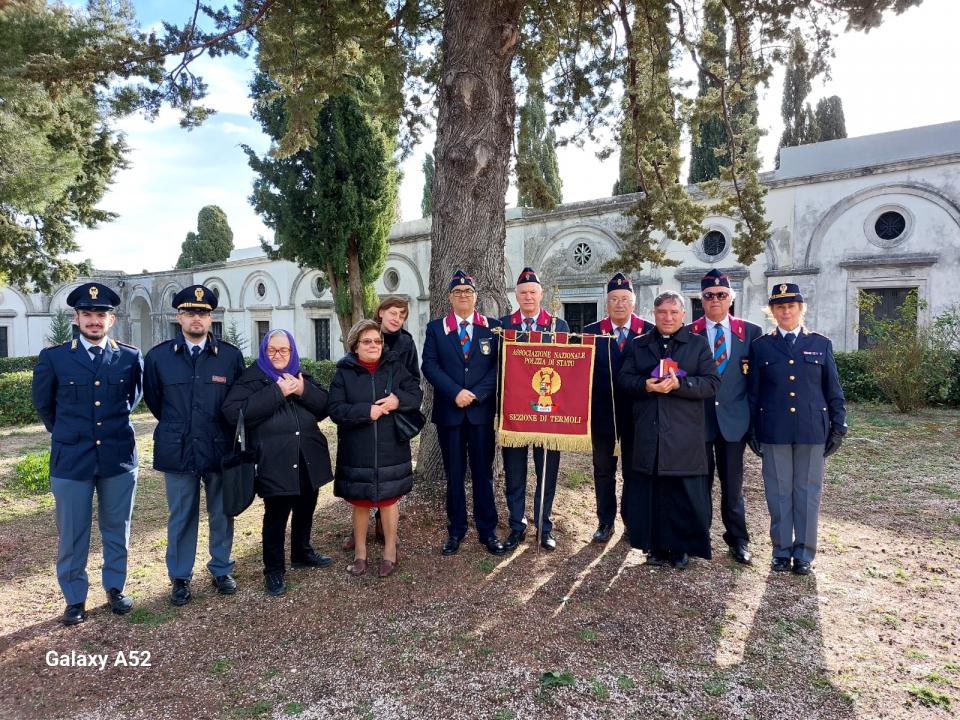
{"points": [[460, 444], [515, 469]]}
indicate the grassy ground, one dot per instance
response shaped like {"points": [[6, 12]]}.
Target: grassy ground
{"points": [[586, 632]]}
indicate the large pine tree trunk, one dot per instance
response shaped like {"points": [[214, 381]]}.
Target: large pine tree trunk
{"points": [[476, 111]]}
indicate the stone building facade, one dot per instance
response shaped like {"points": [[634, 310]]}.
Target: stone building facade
{"points": [[879, 213]]}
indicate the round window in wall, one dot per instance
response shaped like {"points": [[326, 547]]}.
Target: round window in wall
{"points": [[890, 225], [319, 286], [714, 243], [391, 280], [582, 253], [261, 290]]}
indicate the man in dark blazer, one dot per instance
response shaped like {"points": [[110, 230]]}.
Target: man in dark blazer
{"points": [[84, 391], [460, 361], [185, 383], [530, 317], [728, 414], [618, 328]]}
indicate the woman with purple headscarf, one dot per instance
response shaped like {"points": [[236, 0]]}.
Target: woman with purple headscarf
{"points": [[281, 408]]}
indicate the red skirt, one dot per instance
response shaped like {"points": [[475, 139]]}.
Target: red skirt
{"points": [[375, 504]]}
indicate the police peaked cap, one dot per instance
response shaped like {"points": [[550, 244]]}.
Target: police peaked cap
{"points": [[714, 278], [93, 296], [195, 297], [785, 293]]}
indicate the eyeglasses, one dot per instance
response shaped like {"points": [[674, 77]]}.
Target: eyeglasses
{"points": [[463, 293], [195, 313], [370, 341], [715, 295], [278, 352]]}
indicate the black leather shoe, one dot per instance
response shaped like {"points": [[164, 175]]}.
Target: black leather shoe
{"points": [[801, 567], [780, 564], [656, 559], [120, 604], [451, 546], [225, 584], [74, 614], [513, 539], [680, 561], [180, 595], [741, 553], [311, 559], [273, 582], [547, 542], [603, 533], [493, 545]]}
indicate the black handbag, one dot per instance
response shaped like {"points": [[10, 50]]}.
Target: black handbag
{"points": [[408, 423], [238, 471]]}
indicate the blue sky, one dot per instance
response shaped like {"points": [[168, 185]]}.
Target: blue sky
{"points": [[900, 75]]}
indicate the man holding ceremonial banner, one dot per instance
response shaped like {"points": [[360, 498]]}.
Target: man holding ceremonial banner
{"points": [[619, 327], [668, 372], [530, 320], [460, 361]]}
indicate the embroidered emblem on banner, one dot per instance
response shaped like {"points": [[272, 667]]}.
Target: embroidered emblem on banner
{"points": [[546, 381]]}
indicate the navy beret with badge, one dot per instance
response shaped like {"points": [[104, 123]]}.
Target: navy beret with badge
{"points": [[195, 297], [93, 296], [461, 278], [714, 278], [528, 274], [619, 282], [785, 293]]}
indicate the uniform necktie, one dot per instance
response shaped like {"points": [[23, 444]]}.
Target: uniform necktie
{"points": [[529, 323], [97, 354], [195, 353], [790, 338], [464, 339], [621, 338], [720, 350]]}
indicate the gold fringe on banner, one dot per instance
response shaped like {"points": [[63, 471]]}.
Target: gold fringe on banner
{"points": [[571, 443]]}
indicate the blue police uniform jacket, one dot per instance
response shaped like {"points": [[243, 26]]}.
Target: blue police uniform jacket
{"points": [[608, 356], [445, 368], [728, 414], [795, 394], [192, 434], [87, 406]]}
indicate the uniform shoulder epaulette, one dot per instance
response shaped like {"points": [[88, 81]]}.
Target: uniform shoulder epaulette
{"points": [[127, 345], [221, 341], [162, 342]]}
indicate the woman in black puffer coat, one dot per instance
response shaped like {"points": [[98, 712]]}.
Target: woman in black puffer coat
{"points": [[374, 467], [281, 408]]}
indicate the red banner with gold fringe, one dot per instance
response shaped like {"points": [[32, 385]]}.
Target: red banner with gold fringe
{"points": [[545, 394]]}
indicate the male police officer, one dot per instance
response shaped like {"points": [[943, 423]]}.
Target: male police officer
{"points": [[84, 391], [529, 318], [185, 382], [728, 414], [460, 361], [621, 326]]}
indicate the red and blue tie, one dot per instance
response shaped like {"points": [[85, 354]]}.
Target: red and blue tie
{"points": [[720, 350], [464, 340]]}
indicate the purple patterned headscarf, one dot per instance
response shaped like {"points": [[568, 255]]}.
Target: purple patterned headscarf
{"points": [[264, 363]]}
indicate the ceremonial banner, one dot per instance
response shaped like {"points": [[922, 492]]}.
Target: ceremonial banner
{"points": [[545, 394]]}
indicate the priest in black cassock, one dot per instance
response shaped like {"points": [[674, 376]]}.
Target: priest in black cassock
{"points": [[668, 372]]}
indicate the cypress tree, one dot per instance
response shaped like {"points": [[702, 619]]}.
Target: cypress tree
{"points": [[830, 120], [709, 150], [426, 202]]}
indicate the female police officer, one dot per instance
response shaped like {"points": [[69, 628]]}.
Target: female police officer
{"points": [[798, 415]]}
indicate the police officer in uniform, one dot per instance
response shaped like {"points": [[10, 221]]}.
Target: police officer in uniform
{"points": [[530, 317], [185, 382], [728, 414], [460, 361], [84, 391], [621, 326], [799, 418]]}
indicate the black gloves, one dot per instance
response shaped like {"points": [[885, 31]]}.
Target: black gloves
{"points": [[833, 444], [754, 444]]}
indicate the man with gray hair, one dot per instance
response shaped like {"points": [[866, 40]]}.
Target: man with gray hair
{"points": [[668, 373]]}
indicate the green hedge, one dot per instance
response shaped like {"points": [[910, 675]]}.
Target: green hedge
{"points": [[855, 378], [17, 364], [16, 405]]}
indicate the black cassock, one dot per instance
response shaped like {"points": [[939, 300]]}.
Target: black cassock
{"points": [[666, 499]]}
